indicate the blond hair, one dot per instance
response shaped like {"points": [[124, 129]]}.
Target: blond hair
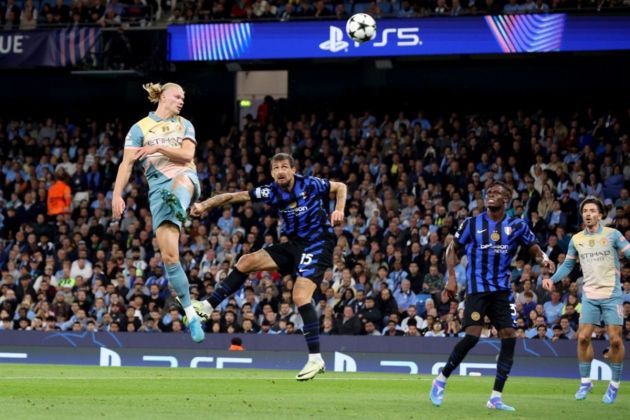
{"points": [[156, 89]]}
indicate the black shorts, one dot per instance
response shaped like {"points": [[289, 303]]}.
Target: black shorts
{"points": [[499, 306], [303, 259]]}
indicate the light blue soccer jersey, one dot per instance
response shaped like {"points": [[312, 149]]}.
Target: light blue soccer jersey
{"points": [[598, 254], [171, 132]]}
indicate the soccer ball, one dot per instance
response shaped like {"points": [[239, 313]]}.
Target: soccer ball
{"points": [[361, 27]]}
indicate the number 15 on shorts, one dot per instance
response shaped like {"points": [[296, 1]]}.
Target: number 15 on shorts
{"points": [[306, 259]]}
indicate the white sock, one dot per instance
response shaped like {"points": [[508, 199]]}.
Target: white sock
{"points": [[190, 313], [315, 356], [206, 305], [495, 394], [615, 384], [441, 377], [586, 380]]}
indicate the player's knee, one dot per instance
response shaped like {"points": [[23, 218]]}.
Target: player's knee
{"points": [[469, 341], [245, 263], [584, 339], [615, 342], [301, 298]]}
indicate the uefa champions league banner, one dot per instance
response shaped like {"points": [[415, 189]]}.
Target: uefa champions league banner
{"points": [[399, 37], [406, 355], [55, 48]]}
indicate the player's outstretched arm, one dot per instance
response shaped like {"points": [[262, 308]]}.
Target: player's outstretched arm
{"points": [[124, 172], [341, 192], [451, 262], [197, 209]]}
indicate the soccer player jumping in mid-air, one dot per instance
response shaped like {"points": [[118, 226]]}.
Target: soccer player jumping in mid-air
{"points": [[491, 239], [301, 203], [164, 143], [597, 247]]}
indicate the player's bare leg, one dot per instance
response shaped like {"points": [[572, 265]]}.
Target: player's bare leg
{"points": [[615, 355]]}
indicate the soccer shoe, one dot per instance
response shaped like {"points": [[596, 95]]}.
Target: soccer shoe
{"points": [[610, 395], [311, 369], [196, 332], [176, 207], [583, 391], [201, 310], [496, 404], [437, 392]]}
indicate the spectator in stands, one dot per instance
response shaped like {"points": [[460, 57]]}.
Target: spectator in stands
{"points": [[59, 195], [553, 308]]}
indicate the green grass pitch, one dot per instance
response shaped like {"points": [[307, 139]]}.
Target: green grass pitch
{"points": [[68, 392]]}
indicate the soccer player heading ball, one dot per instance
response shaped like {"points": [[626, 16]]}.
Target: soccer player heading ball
{"points": [[301, 203]]}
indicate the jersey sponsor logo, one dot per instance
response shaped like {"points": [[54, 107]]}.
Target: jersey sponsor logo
{"points": [[497, 248], [297, 210], [596, 254], [166, 141]]}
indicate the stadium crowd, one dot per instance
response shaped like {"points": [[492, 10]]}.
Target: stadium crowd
{"points": [[412, 179], [30, 14]]}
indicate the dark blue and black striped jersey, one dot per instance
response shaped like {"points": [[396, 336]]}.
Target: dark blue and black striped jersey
{"points": [[490, 247], [303, 210]]}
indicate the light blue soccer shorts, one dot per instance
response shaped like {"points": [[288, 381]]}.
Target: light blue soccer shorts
{"points": [[161, 211], [594, 311]]}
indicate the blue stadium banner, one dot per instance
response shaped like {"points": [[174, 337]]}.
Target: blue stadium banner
{"points": [[399, 37], [54, 48], [409, 355]]}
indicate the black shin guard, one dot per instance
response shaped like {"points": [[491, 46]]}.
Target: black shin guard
{"points": [[504, 364], [459, 352], [231, 284], [311, 327]]}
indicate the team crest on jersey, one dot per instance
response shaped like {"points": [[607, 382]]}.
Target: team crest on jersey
{"points": [[591, 243], [507, 230], [495, 236], [604, 241], [475, 316]]}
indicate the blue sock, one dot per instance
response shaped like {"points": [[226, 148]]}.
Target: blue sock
{"points": [[616, 368], [184, 196], [177, 277], [585, 369]]}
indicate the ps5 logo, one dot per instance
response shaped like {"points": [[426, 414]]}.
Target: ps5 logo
{"points": [[405, 37], [335, 41]]}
